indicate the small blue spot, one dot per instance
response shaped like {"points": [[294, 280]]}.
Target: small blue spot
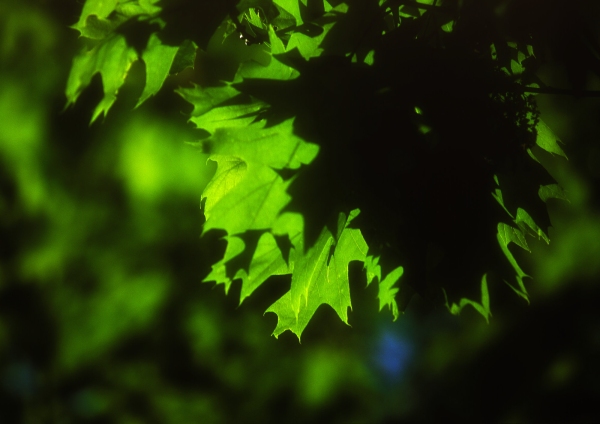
{"points": [[394, 354]]}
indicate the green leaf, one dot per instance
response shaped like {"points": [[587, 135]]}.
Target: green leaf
{"points": [[372, 268], [228, 116], [112, 59], [497, 194], [527, 225], [275, 69], [246, 193], [387, 293], [292, 7], [254, 19], [267, 260], [110, 54], [306, 45], [235, 246], [547, 140], [483, 308], [158, 58], [552, 191], [205, 98], [185, 57], [252, 204], [133, 8], [320, 276], [98, 8], [507, 234], [96, 28], [276, 146]]}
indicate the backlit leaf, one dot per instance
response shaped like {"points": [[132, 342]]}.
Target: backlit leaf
{"points": [[483, 308], [547, 140], [112, 59], [321, 277], [158, 58]]}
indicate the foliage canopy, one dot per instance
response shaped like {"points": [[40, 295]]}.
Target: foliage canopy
{"points": [[400, 134]]}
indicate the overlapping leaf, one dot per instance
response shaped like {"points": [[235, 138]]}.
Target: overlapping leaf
{"points": [[320, 276], [259, 159], [108, 53]]}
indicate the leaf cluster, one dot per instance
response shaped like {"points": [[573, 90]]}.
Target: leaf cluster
{"points": [[400, 134]]}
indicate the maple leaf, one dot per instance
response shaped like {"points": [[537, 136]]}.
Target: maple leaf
{"points": [[305, 72], [112, 59], [387, 293], [246, 192], [108, 53], [158, 58], [97, 10], [320, 276]]}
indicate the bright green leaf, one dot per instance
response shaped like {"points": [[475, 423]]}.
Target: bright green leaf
{"points": [[276, 146], [235, 246], [204, 99], [99, 8], [547, 140], [266, 261], [97, 28], [292, 7], [228, 116], [320, 277], [230, 171], [112, 59], [253, 204], [387, 293], [510, 234], [158, 58], [372, 268], [483, 308], [274, 69], [528, 225]]}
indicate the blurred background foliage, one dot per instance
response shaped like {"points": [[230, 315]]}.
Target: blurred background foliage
{"points": [[103, 318]]}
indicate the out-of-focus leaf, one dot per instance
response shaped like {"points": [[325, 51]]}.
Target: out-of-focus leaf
{"points": [[185, 57], [547, 140], [292, 7], [98, 8], [552, 191]]}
